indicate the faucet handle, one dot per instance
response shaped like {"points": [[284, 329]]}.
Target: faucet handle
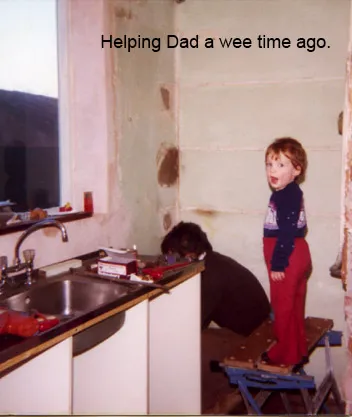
{"points": [[3, 262], [3, 274], [29, 255]]}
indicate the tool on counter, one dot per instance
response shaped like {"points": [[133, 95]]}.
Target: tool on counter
{"points": [[157, 272], [120, 280], [125, 262]]}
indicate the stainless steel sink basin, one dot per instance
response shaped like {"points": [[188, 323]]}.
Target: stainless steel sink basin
{"points": [[69, 297], [91, 337], [66, 298]]}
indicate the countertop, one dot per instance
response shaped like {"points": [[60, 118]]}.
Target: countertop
{"points": [[16, 350]]}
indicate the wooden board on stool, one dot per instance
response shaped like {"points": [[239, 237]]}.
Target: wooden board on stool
{"points": [[315, 329], [248, 354]]}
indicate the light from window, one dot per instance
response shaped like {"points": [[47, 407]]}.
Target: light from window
{"points": [[29, 142]]}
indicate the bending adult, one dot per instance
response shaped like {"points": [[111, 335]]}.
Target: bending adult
{"points": [[231, 296]]}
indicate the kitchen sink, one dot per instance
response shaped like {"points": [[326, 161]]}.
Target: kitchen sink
{"points": [[69, 297], [66, 298]]}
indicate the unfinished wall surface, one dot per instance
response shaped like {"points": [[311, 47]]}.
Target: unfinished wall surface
{"points": [[146, 134], [234, 102], [347, 223]]}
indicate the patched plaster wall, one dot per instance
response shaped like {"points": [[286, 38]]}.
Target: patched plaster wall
{"points": [[145, 116], [234, 102]]}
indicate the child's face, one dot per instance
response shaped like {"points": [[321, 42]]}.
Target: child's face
{"points": [[280, 171]]}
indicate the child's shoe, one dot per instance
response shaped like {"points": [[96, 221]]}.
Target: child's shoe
{"points": [[265, 358]]}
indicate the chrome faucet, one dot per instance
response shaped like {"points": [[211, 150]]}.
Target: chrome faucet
{"points": [[30, 253], [37, 226]]}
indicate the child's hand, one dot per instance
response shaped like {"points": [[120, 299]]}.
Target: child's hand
{"points": [[277, 275]]}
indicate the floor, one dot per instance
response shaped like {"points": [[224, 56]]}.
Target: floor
{"points": [[218, 397]]}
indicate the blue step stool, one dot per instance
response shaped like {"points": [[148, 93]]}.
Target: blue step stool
{"points": [[245, 369]]}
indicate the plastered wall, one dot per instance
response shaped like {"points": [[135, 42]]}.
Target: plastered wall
{"points": [[234, 102], [145, 115]]}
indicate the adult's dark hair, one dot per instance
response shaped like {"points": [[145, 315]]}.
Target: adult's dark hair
{"points": [[184, 238]]}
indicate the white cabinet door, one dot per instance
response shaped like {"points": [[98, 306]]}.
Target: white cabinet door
{"points": [[111, 378], [174, 351], [40, 386]]}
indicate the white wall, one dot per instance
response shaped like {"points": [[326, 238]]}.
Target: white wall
{"points": [[234, 102]]}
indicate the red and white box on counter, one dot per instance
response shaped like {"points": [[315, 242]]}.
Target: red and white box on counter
{"points": [[117, 263], [108, 267]]}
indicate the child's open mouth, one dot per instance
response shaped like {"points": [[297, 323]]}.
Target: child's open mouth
{"points": [[273, 180]]}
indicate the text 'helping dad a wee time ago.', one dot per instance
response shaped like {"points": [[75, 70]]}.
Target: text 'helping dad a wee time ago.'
{"points": [[174, 41]]}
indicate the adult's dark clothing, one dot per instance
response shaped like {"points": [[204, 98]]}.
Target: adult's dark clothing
{"points": [[231, 295]]}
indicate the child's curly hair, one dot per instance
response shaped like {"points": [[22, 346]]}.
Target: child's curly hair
{"points": [[293, 150], [185, 238]]}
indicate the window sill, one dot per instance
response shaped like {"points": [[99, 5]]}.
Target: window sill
{"points": [[63, 218]]}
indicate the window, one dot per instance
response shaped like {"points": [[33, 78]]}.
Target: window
{"points": [[29, 122]]}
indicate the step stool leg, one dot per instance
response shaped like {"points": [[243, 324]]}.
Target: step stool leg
{"points": [[337, 396], [324, 406], [246, 403], [305, 395], [249, 400], [307, 401], [286, 402], [334, 387], [261, 397]]}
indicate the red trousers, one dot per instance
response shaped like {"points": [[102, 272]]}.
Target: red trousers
{"points": [[288, 303]]}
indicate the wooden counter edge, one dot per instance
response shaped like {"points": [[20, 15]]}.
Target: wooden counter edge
{"points": [[16, 360]]}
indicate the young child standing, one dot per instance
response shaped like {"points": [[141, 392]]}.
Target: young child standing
{"points": [[286, 251]]}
